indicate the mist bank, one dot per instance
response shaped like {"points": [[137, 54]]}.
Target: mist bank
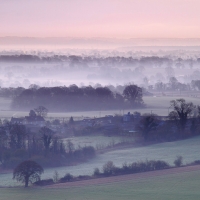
{"points": [[144, 68]]}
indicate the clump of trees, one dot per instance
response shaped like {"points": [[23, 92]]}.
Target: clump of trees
{"points": [[73, 98], [18, 144], [182, 122]]}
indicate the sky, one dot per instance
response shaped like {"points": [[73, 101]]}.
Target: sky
{"points": [[100, 18]]}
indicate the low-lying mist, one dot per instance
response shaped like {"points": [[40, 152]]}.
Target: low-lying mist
{"points": [[143, 66]]}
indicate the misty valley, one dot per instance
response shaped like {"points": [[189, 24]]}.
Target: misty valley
{"points": [[97, 113]]}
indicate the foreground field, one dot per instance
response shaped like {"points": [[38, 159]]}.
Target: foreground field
{"points": [[171, 184], [168, 151]]}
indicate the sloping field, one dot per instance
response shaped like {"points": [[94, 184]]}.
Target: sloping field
{"points": [[189, 149], [171, 184]]}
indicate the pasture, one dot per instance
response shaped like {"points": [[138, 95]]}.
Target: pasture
{"points": [[155, 104], [182, 185], [188, 149]]}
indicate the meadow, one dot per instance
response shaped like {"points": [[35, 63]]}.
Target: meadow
{"points": [[181, 185]]}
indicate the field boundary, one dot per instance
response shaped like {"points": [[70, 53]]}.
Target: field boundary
{"points": [[121, 178]]}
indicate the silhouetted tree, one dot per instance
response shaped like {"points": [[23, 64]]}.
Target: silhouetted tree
{"points": [[41, 111], [148, 123], [46, 138], [133, 94], [182, 110], [32, 113], [17, 136], [71, 121], [27, 171]]}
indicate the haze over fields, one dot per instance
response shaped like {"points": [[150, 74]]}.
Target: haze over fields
{"points": [[98, 88]]}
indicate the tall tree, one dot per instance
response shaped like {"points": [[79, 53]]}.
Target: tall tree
{"points": [[27, 171], [46, 138], [181, 111], [133, 94], [41, 111], [147, 123]]}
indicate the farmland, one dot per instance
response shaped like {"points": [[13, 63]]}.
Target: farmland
{"points": [[166, 184], [168, 151], [156, 104]]}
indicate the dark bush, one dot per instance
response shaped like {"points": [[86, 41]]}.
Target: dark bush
{"points": [[108, 168], [44, 182], [96, 172], [196, 162], [178, 161], [88, 152], [159, 164], [67, 178]]}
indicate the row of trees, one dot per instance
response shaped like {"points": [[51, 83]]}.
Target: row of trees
{"points": [[18, 144], [110, 61], [73, 98]]}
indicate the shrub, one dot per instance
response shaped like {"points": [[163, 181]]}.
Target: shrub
{"points": [[159, 164], [196, 162], [96, 172], [44, 182], [68, 177], [126, 168], [108, 168], [178, 161]]}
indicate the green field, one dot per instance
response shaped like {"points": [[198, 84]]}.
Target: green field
{"points": [[188, 149], [183, 186]]}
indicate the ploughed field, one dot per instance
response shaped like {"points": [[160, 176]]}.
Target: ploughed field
{"points": [[188, 149], [178, 183]]}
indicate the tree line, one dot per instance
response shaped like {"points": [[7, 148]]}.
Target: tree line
{"points": [[74, 98], [18, 144]]}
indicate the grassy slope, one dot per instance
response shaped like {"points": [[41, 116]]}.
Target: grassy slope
{"points": [[184, 186], [168, 151]]}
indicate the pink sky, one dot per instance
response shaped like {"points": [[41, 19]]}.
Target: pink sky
{"points": [[100, 18]]}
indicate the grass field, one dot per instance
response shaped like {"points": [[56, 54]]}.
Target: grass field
{"points": [[183, 186], [188, 149], [157, 104]]}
